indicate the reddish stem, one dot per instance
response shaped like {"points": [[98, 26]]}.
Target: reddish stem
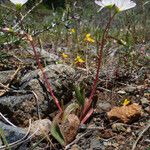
{"points": [[29, 38], [102, 44], [87, 116], [45, 76]]}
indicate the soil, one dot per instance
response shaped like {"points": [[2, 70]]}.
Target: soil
{"points": [[99, 133]]}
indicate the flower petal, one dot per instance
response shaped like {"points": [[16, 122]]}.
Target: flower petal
{"points": [[21, 2], [124, 4]]}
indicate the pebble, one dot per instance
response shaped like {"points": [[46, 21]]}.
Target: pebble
{"points": [[130, 89], [76, 147], [96, 144], [145, 101], [122, 92], [118, 127], [105, 106], [40, 127]]}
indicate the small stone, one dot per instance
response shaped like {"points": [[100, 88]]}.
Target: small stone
{"points": [[130, 89], [41, 127], [96, 144], [140, 87], [75, 147], [128, 130], [118, 127], [147, 95], [107, 143], [104, 106], [48, 57], [147, 109], [122, 92], [115, 145], [145, 101], [5, 76]]}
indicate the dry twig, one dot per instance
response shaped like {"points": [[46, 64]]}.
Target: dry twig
{"points": [[140, 135], [19, 141], [37, 103], [14, 76], [76, 140], [7, 120]]}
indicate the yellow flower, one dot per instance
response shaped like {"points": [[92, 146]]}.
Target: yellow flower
{"points": [[73, 30], [88, 38], [88, 35], [126, 102], [64, 55], [78, 59]]}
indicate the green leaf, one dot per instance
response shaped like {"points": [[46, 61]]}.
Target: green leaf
{"points": [[79, 95], [56, 133]]}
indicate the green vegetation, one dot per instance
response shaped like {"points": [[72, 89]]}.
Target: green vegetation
{"points": [[82, 38]]}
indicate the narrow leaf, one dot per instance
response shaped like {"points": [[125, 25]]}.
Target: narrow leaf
{"points": [[56, 133], [72, 107], [79, 95]]}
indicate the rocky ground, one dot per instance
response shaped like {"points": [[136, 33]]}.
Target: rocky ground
{"points": [[24, 97]]}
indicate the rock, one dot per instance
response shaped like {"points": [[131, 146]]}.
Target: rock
{"points": [[130, 89], [105, 106], [13, 134], [96, 144], [145, 101], [76, 147], [129, 130], [122, 92], [19, 109], [118, 127], [145, 104], [5, 76], [40, 128], [48, 57], [107, 143], [125, 114], [22, 107], [35, 86], [24, 81], [61, 78], [147, 109]]}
